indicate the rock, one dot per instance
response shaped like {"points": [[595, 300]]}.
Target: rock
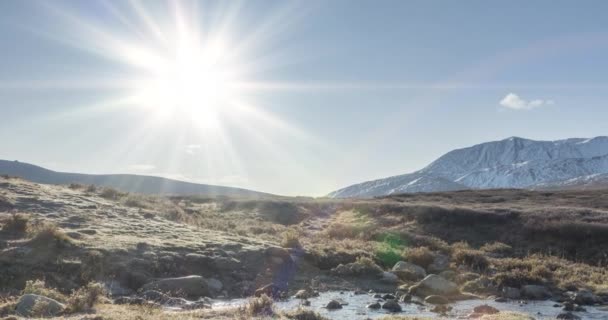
{"points": [[306, 303], [569, 306], [215, 285], [409, 269], [510, 293], [405, 298], [434, 285], [33, 305], [449, 275], [585, 297], [439, 264], [535, 292], [485, 309], [333, 305], [389, 277], [388, 296], [375, 305], [501, 300], [272, 290], [392, 306], [435, 299], [190, 286], [306, 294], [441, 309], [377, 296], [464, 296], [568, 316]]}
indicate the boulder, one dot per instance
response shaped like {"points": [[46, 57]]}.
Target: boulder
{"points": [[333, 305], [449, 275], [190, 286], [306, 294], [535, 292], [434, 285], [392, 306], [215, 285], [585, 297], [435, 299], [389, 277], [375, 305], [510, 293], [485, 309], [389, 296], [409, 269], [33, 305]]}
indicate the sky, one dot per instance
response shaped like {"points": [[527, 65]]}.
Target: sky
{"points": [[292, 97]]}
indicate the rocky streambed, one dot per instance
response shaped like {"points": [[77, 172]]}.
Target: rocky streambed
{"points": [[354, 306]]}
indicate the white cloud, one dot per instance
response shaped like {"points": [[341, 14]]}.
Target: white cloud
{"points": [[514, 102]]}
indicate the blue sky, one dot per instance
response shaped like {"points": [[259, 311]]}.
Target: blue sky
{"points": [[343, 91]]}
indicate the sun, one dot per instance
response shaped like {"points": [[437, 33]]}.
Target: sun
{"points": [[193, 79]]}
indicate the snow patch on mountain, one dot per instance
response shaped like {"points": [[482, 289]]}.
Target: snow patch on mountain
{"points": [[510, 163]]}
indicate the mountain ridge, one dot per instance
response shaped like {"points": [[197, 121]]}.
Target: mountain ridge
{"points": [[123, 182], [513, 162]]}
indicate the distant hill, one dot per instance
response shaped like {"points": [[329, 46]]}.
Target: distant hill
{"points": [[122, 182], [510, 163]]}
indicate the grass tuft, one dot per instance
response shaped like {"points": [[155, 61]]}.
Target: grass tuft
{"points": [[16, 224]]}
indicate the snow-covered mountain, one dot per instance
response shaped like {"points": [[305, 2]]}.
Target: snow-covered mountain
{"points": [[510, 163]]}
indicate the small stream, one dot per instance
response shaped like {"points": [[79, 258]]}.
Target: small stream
{"points": [[356, 308]]}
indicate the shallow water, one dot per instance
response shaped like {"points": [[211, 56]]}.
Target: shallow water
{"points": [[356, 307]]}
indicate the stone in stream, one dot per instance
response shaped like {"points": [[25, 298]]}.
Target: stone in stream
{"points": [[190, 286], [375, 305], [33, 305], [388, 296], [408, 271], [405, 298], [535, 292], [389, 277], [333, 305], [434, 285], [510, 293], [435, 299], [585, 297], [392, 306], [441, 309], [568, 316], [485, 309]]}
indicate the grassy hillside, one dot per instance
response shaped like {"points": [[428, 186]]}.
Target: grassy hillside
{"points": [[73, 235]]}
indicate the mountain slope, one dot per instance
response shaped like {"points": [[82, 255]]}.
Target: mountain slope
{"points": [[122, 182], [509, 163]]}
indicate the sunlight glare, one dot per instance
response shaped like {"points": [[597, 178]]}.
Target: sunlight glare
{"points": [[196, 81]]}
